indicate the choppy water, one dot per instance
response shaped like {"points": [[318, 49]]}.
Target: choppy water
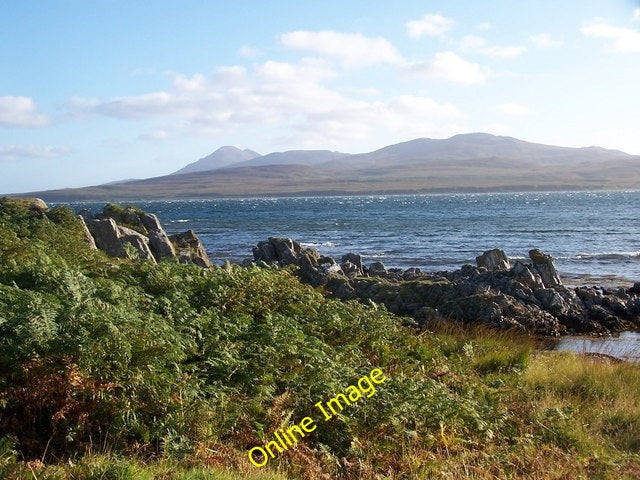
{"points": [[589, 233]]}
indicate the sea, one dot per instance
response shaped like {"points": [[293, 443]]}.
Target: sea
{"points": [[594, 237]]}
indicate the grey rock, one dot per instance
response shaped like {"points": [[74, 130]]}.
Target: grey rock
{"points": [[88, 238], [160, 244], [127, 215], [124, 231], [330, 269], [38, 205], [494, 259], [350, 269], [107, 236], [151, 222], [324, 259], [285, 250], [355, 259], [377, 269], [546, 267], [140, 244], [265, 252], [551, 300], [191, 248], [523, 275]]}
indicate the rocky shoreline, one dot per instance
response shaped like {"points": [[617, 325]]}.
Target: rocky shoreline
{"points": [[529, 297], [524, 296]]}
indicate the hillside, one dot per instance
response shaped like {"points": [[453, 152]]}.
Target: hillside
{"points": [[221, 158], [463, 163], [126, 369]]}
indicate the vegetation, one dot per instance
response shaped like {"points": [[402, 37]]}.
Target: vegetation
{"points": [[116, 368]]}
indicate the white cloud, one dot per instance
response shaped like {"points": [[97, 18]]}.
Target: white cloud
{"points": [[625, 40], [154, 136], [636, 14], [513, 109], [544, 40], [451, 67], [20, 112], [478, 44], [249, 51], [17, 152], [431, 25], [353, 50], [472, 42], [503, 52], [288, 98], [483, 27]]}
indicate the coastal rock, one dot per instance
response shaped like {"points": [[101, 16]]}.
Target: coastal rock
{"points": [[494, 259], [265, 252], [350, 270], [150, 222], [286, 249], [551, 300], [88, 238], [523, 275], [38, 205], [545, 266], [190, 248], [525, 297], [377, 269], [327, 269], [322, 259], [355, 259], [160, 245], [107, 236], [127, 216], [140, 244], [86, 215]]}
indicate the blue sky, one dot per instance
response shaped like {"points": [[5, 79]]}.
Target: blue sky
{"points": [[96, 91]]}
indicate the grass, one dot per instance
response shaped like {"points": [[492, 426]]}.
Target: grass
{"points": [[594, 401]]}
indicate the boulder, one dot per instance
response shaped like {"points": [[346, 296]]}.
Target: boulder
{"points": [[160, 245], [265, 252], [330, 269], [322, 259], [550, 300], [494, 259], [350, 269], [140, 243], [285, 250], [190, 248], [524, 276], [88, 238], [107, 236], [377, 269], [545, 266], [355, 259], [38, 205], [150, 222]]}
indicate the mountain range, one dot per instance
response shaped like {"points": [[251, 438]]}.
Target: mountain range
{"points": [[473, 162]]}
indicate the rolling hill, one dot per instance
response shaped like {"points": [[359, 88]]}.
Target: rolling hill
{"points": [[463, 163]]}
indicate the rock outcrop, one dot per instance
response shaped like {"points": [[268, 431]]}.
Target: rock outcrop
{"points": [[122, 232], [494, 259], [545, 266], [313, 268], [528, 296], [190, 249]]}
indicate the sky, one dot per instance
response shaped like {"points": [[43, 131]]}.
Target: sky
{"points": [[93, 91]]}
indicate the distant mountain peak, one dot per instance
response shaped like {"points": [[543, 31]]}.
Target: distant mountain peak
{"points": [[223, 157]]}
